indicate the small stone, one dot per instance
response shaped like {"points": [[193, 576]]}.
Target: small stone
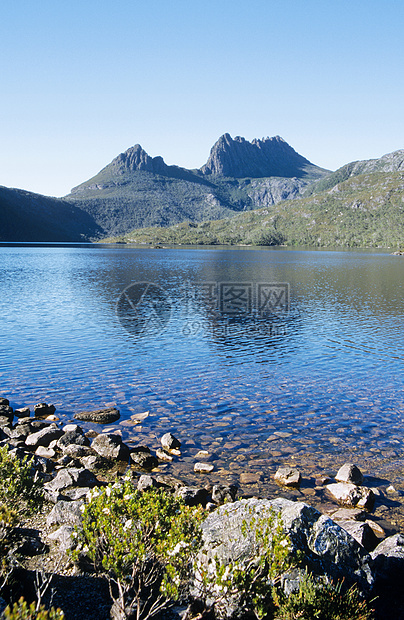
{"points": [[169, 442], [203, 468], [288, 477], [322, 480], [41, 410], [22, 412], [391, 490], [162, 455], [349, 473], [74, 428]]}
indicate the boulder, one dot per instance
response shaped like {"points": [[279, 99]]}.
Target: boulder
{"points": [[222, 494], [100, 416], [288, 477], [348, 494], [65, 478], [93, 462], [349, 473], [6, 412], [388, 558], [73, 437], [66, 512], [64, 536], [4, 402], [229, 535], [362, 532], [142, 457], [43, 437], [41, 410], [193, 496], [110, 446], [169, 442], [77, 452], [22, 412]]}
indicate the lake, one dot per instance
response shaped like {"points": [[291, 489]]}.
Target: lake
{"points": [[261, 356]]}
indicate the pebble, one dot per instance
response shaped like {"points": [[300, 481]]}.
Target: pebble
{"points": [[203, 468]]}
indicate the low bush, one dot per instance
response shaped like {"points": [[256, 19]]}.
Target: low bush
{"points": [[23, 611], [20, 487], [144, 543]]}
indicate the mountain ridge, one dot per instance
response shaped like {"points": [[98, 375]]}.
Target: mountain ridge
{"points": [[136, 190]]}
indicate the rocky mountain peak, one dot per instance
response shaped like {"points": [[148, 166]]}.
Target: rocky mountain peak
{"points": [[259, 158], [136, 158]]}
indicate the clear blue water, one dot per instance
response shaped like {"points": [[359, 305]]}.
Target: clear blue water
{"points": [[328, 368]]}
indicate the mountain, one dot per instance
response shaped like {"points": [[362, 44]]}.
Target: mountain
{"points": [[269, 157], [136, 190], [25, 216]]}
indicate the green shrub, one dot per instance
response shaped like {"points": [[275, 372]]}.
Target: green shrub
{"points": [[20, 489], [144, 543], [21, 611], [322, 601]]}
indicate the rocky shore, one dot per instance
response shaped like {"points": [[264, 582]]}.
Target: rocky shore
{"points": [[344, 539]]}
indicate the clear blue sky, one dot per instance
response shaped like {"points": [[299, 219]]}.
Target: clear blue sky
{"points": [[83, 80]]}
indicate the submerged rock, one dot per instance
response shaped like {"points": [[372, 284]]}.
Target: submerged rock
{"points": [[288, 477], [100, 416]]}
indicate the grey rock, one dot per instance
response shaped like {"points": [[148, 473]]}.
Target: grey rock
{"points": [[288, 477], [65, 537], [72, 476], [162, 455], [169, 442], [222, 494], [22, 412], [4, 402], [348, 494], [100, 416], [4, 421], [43, 437], [42, 410], [389, 558], [203, 468], [146, 482], [141, 456], [6, 412], [94, 462], [77, 451], [229, 535], [66, 512], [110, 446], [74, 437], [193, 496], [76, 493], [349, 473], [362, 533], [47, 453]]}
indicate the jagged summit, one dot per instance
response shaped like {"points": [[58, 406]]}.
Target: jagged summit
{"points": [[269, 157], [136, 158]]}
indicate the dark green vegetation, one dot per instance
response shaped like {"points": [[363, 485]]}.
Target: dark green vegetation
{"points": [[25, 216], [259, 193]]}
